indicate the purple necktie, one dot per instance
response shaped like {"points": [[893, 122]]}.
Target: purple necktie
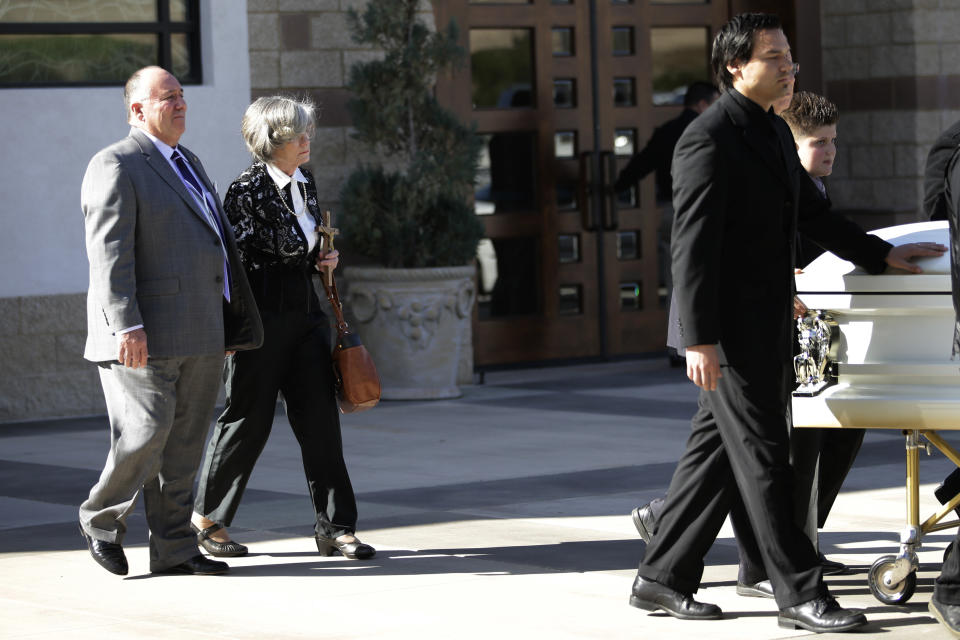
{"points": [[211, 213]]}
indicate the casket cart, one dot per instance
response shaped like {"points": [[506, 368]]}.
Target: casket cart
{"points": [[875, 354]]}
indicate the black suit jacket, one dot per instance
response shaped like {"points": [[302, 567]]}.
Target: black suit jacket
{"points": [[935, 203], [741, 196], [951, 197]]}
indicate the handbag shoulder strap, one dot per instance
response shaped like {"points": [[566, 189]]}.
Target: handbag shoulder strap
{"points": [[334, 297]]}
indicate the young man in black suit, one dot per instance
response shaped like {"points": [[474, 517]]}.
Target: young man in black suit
{"points": [[740, 196]]}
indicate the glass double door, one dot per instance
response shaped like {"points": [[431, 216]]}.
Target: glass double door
{"points": [[563, 93]]}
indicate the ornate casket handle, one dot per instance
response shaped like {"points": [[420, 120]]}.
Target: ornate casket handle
{"points": [[815, 365]]}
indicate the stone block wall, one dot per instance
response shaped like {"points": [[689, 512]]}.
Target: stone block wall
{"points": [[891, 66], [42, 370], [303, 47]]}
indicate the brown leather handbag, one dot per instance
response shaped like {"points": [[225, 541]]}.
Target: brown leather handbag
{"points": [[358, 384]]}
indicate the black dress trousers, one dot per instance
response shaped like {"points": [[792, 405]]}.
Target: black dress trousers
{"points": [[821, 460], [739, 441], [947, 586], [295, 362]]}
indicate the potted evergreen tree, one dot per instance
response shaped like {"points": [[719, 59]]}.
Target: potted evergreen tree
{"points": [[410, 211]]}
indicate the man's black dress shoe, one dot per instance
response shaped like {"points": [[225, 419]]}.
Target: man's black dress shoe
{"points": [[821, 615], [762, 589], [108, 555], [947, 614], [653, 596], [644, 521], [230, 549], [355, 550], [197, 566], [832, 567]]}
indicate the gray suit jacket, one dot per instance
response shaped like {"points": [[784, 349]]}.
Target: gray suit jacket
{"points": [[155, 261]]}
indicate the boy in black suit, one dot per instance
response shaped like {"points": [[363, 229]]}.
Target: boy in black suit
{"points": [[821, 457]]}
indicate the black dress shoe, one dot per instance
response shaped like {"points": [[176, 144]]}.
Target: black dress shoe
{"points": [[644, 521], [820, 615], [947, 614], [230, 549], [653, 596], [832, 567], [108, 555], [355, 550], [762, 589], [197, 566]]}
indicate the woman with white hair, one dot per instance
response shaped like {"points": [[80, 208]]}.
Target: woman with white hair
{"points": [[273, 209]]}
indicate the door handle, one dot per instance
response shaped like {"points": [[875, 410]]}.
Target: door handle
{"points": [[585, 192], [611, 212]]}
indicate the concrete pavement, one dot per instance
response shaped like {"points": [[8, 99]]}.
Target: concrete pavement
{"points": [[502, 514]]}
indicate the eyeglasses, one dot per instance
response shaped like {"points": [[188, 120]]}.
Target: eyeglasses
{"points": [[780, 60]]}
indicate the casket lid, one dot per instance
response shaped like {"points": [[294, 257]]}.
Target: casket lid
{"points": [[830, 274]]}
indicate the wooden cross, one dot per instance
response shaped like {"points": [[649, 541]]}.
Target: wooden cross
{"points": [[327, 232]]}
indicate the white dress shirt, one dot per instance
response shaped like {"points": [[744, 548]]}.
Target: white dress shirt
{"points": [[304, 219]]}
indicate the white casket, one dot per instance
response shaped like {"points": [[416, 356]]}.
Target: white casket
{"points": [[876, 355], [888, 363]]}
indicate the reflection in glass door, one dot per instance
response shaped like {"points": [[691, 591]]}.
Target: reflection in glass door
{"points": [[563, 94]]}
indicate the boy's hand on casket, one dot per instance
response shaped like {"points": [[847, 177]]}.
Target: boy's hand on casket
{"points": [[900, 256], [703, 366]]}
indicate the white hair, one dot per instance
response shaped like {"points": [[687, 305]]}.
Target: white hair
{"points": [[272, 122]]}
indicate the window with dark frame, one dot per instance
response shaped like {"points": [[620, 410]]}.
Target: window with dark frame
{"points": [[63, 43]]}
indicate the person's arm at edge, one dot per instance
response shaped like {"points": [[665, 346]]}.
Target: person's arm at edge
{"points": [[641, 163], [109, 205]]}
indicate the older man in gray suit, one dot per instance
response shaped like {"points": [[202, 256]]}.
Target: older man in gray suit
{"points": [[167, 298]]}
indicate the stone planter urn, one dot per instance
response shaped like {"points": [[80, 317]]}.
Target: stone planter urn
{"points": [[415, 323]]}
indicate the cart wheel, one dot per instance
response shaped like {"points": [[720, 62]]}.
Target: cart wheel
{"points": [[894, 594]]}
